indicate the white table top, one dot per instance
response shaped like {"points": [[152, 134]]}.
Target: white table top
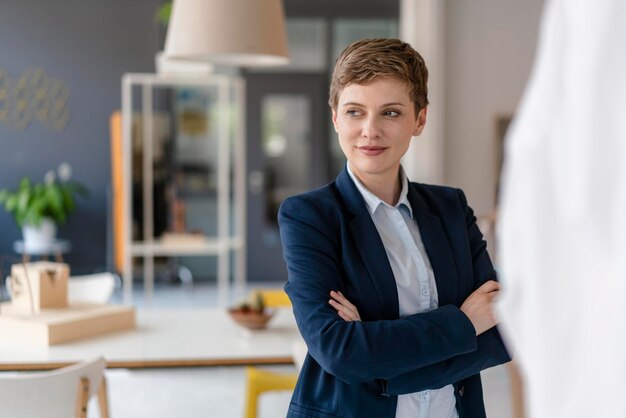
{"points": [[166, 338]]}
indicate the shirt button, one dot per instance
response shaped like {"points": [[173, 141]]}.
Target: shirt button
{"points": [[425, 292], [426, 394]]}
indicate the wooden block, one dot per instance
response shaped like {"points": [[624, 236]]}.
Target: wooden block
{"points": [[54, 326], [48, 286]]}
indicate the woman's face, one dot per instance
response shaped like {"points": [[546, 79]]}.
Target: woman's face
{"points": [[375, 123]]}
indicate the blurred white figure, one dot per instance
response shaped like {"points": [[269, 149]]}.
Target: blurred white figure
{"points": [[562, 230]]}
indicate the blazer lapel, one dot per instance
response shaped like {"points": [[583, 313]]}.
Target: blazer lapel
{"points": [[370, 246], [437, 247]]}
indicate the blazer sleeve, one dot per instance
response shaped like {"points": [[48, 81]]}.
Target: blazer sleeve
{"points": [[356, 351], [490, 351], [482, 267]]}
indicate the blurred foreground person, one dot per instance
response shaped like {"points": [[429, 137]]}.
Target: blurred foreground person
{"points": [[562, 231]]}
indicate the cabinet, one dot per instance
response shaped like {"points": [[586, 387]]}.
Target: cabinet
{"points": [[204, 141]]}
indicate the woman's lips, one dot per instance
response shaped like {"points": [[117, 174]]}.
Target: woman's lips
{"points": [[371, 151]]}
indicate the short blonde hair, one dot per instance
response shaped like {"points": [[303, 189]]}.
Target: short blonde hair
{"points": [[367, 59]]}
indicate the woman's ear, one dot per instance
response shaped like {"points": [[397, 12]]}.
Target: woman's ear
{"points": [[420, 122]]}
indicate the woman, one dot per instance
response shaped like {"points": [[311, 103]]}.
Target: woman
{"points": [[390, 281]]}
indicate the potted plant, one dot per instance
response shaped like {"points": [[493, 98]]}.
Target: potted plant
{"points": [[39, 207]]}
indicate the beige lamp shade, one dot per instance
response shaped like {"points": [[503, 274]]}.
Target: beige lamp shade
{"points": [[247, 33]]}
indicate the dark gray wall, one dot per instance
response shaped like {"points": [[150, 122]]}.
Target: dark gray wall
{"points": [[89, 45]]}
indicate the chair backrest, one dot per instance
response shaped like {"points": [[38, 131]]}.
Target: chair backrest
{"points": [[52, 394], [95, 288], [275, 298]]}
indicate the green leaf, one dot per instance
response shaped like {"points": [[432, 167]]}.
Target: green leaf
{"points": [[35, 214], [68, 200], [19, 219], [11, 204], [77, 188], [24, 183], [24, 196], [55, 205], [163, 13]]}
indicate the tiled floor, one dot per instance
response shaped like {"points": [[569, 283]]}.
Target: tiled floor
{"points": [[218, 391]]}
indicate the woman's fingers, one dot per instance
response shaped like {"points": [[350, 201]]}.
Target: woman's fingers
{"points": [[479, 306], [489, 286], [346, 310], [343, 311], [492, 295], [344, 316], [339, 297]]}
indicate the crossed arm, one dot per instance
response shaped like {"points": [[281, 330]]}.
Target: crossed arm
{"points": [[478, 306], [435, 376]]}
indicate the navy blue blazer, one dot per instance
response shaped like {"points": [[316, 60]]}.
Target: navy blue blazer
{"points": [[357, 369]]}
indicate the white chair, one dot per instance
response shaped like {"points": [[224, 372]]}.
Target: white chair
{"points": [[61, 393], [95, 288]]}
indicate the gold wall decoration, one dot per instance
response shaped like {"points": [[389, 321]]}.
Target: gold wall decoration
{"points": [[33, 97]]}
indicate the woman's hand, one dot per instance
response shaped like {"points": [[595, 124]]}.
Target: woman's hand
{"points": [[345, 309], [479, 306]]}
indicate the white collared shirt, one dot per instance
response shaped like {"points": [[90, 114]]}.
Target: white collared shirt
{"points": [[415, 280]]}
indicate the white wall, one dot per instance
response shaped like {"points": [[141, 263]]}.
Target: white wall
{"points": [[422, 26], [88, 45], [489, 49]]}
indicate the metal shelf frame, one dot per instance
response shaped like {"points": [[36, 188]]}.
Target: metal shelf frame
{"points": [[224, 243]]}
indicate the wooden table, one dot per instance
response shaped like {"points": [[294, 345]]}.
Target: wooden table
{"points": [[167, 338]]}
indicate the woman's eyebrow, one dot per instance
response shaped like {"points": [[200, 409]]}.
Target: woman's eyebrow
{"points": [[351, 104], [383, 105]]}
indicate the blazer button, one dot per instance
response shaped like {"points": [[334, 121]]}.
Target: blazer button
{"points": [[461, 390]]}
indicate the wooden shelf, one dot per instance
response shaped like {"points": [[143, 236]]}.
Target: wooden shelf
{"points": [[209, 246]]}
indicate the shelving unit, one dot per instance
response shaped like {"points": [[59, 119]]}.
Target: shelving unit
{"points": [[230, 142]]}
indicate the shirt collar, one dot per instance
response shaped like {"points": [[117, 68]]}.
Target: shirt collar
{"points": [[373, 202]]}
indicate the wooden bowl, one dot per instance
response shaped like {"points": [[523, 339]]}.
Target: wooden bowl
{"points": [[251, 319]]}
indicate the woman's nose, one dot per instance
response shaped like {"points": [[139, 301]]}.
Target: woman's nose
{"points": [[371, 128]]}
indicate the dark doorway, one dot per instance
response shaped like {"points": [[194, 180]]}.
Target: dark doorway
{"points": [[287, 153]]}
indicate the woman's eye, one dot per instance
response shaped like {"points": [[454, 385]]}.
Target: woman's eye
{"points": [[354, 112], [392, 113]]}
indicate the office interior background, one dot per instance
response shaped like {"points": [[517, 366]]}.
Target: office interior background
{"points": [[479, 53], [487, 52]]}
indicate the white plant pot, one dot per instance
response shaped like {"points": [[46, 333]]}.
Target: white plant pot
{"points": [[37, 238]]}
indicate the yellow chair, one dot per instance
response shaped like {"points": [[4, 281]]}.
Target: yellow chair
{"points": [[275, 298], [259, 381]]}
